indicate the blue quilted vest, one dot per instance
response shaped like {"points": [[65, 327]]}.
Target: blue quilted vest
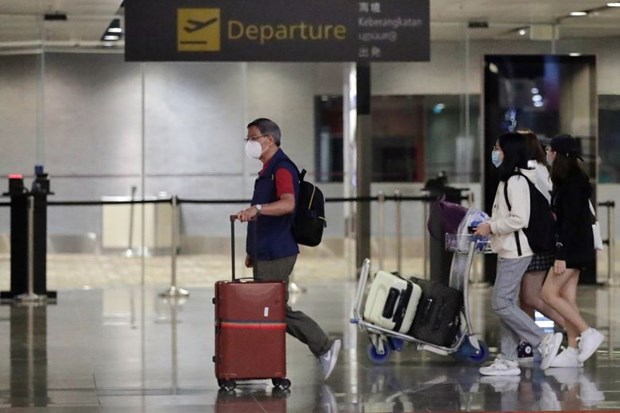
{"points": [[272, 233]]}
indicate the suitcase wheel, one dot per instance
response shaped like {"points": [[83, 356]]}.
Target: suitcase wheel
{"points": [[375, 357], [282, 384], [227, 385]]}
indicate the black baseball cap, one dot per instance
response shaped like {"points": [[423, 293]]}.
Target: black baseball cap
{"points": [[565, 145]]}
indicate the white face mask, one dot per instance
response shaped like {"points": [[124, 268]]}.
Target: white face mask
{"points": [[253, 149]]}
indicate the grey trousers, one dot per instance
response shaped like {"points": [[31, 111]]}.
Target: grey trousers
{"points": [[516, 325], [298, 324]]}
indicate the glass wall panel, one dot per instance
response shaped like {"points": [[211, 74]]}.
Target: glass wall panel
{"points": [[104, 128], [609, 138], [414, 137]]}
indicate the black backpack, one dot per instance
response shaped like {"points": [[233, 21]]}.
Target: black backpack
{"points": [[309, 213], [540, 231]]}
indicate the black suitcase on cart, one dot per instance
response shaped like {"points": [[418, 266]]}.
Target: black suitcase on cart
{"points": [[438, 317]]}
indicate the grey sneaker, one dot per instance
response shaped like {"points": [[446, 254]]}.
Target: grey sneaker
{"points": [[329, 359], [549, 349]]}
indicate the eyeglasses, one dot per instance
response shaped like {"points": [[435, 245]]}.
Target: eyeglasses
{"points": [[254, 138]]}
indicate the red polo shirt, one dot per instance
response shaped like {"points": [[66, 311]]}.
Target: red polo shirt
{"points": [[284, 180]]}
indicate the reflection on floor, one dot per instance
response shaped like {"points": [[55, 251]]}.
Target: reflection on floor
{"points": [[125, 349]]}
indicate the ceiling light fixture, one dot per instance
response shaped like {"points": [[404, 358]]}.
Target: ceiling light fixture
{"points": [[579, 13], [438, 108], [613, 4]]}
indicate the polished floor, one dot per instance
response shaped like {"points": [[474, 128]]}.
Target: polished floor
{"points": [[119, 347]]}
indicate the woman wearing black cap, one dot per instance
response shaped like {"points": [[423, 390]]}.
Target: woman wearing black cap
{"points": [[574, 249], [530, 298]]}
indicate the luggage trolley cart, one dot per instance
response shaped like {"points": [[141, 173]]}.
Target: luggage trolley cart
{"points": [[466, 346]]}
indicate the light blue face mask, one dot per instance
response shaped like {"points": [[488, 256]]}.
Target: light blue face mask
{"points": [[495, 158], [549, 161]]}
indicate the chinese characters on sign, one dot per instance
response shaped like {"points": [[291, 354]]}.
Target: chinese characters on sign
{"points": [[376, 28]]}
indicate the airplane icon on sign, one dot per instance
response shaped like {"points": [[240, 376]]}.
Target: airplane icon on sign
{"points": [[195, 25]]}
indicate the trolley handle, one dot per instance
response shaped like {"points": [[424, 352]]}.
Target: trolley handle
{"points": [[361, 286]]}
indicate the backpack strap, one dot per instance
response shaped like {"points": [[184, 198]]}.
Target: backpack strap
{"points": [[519, 251]]}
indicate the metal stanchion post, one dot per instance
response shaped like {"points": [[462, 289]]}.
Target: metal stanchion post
{"points": [[30, 296], [399, 232], [611, 244], [129, 250], [381, 212], [470, 199], [174, 291]]}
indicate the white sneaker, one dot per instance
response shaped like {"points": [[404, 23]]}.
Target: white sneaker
{"points": [[329, 359], [501, 367], [548, 348], [589, 341], [567, 358]]}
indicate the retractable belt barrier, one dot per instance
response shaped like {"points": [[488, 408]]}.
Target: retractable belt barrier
{"points": [[26, 276]]}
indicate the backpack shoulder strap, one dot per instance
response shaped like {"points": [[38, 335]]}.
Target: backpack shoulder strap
{"points": [[506, 193], [519, 251]]}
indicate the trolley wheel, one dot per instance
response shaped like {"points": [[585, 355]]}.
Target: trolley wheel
{"points": [[227, 385], [282, 384], [396, 343], [470, 354], [377, 358]]}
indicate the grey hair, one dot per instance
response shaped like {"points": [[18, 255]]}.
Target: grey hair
{"points": [[267, 127]]}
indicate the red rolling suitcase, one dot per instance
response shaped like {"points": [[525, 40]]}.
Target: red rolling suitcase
{"points": [[250, 329]]}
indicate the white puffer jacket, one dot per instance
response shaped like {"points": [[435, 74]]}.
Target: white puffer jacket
{"points": [[505, 222]]}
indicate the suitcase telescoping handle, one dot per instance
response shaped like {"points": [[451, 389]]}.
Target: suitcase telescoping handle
{"points": [[232, 244], [233, 218]]}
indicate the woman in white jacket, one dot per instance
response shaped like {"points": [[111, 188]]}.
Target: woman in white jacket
{"points": [[506, 224]]}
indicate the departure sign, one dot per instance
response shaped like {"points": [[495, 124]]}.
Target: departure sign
{"points": [[277, 30]]}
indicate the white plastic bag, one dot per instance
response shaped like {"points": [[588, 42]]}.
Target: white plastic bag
{"points": [[470, 221], [596, 232]]}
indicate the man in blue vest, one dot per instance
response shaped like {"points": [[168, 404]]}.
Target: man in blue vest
{"points": [[273, 253]]}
